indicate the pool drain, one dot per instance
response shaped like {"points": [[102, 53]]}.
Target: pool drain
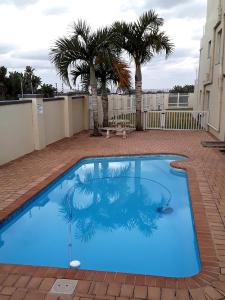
{"points": [[63, 286]]}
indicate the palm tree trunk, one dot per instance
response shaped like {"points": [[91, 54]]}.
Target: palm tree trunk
{"points": [[138, 95], [105, 107], [93, 84]]}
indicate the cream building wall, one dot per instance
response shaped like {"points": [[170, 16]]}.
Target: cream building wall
{"points": [[80, 118], [210, 85], [54, 121], [34, 123], [16, 131]]}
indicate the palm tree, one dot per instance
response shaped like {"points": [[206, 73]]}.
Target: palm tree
{"points": [[107, 71], [30, 80], [83, 46], [142, 40]]}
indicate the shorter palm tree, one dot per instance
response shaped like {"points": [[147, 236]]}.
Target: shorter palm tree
{"points": [[107, 71], [142, 40], [31, 82]]}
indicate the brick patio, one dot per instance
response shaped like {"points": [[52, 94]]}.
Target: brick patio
{"points": [[23, 177]]}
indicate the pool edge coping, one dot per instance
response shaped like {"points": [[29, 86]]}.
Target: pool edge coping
{"points": [[209, 269]]}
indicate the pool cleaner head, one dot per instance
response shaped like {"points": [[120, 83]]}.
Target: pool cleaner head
{"points": [[75, 264]]}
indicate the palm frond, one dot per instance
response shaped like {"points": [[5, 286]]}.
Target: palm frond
{"points": [[149, 21], [163, 43], [143, 39], [65, 52], [81, 70], [83, 30]]}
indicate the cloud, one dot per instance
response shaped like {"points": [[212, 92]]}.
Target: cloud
{"points": [[169, 8], [19, 59], [16, 63], [179, 55], [189, 10], [197, 34], [6, 48], [165, 4], [40, 22], [167, 74], [18, 3], [56, 10], [182, 53], [41, 54]]}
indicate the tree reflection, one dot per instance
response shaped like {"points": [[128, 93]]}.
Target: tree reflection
{"points": [[116, 199]]}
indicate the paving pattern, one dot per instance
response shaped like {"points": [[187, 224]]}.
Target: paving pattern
{"points": [[22, 178]]}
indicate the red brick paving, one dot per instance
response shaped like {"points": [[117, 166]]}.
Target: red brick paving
{"points": [[23, 177]]}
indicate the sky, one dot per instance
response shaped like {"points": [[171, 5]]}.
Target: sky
{"points": [[29, 29]]}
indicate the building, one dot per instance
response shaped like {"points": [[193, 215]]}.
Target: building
{"points": [[210, 84]]}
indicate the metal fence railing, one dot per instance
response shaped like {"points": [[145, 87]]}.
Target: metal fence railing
{"points": [[175, 120]]}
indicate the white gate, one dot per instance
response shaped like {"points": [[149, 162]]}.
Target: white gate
{"points": [[175, 120]]}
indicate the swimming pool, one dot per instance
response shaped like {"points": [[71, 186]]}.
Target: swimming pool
{"points": [[127, 214]]}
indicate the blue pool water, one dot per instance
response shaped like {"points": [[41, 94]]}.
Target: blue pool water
{"points": [[125, 214]]}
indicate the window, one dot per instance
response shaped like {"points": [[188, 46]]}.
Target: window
{"points": [[173, 100], [183, 100], [209, 49], [218, 46]]}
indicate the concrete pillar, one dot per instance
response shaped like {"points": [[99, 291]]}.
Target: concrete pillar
{"points": [[38, 122], [68, 115], [38, 119]]}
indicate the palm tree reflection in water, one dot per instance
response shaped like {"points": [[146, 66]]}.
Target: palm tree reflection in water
{"points": [[113, 199]]}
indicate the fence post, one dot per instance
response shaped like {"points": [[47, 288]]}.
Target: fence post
{"points": [[162, 119], [144, 115]]}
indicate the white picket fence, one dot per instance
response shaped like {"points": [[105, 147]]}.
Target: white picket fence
{"points": [[163, 120], [175, 120]]}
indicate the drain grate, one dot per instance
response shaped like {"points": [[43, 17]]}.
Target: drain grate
{"points": [[63, 286]]}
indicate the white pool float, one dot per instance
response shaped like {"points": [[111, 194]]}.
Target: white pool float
{"points": [[75, 264]]}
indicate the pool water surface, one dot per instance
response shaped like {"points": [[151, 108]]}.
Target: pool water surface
{"points": [[127, 214]]}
